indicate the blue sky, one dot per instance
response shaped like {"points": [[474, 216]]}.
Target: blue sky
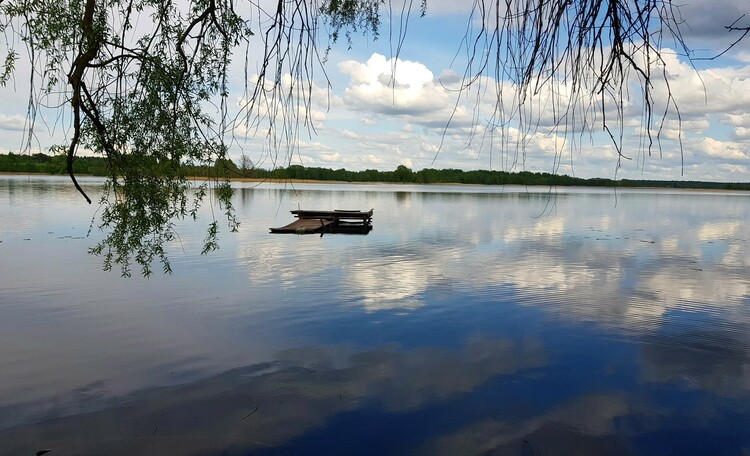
{"points": [[362, 122]]}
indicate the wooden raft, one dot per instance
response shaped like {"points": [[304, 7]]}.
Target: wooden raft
{"points": [[337, 221]]}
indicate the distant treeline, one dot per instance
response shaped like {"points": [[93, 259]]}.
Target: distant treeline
{"points": [[97, 166]]}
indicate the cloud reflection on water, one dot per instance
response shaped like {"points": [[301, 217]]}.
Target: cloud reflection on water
{"points": [[270, 404], [585, 425], [490, 318], [700, 358], [587, 251]]}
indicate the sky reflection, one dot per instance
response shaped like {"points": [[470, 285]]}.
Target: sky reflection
{"points": [[503, 322]]}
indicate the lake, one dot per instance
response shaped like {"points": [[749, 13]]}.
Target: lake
{"points": [[471, 320]]}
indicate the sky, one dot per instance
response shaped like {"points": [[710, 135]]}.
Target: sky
{"points": [[383, 105]]}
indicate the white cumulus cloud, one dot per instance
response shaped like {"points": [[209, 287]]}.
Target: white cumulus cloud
{"points": [[395, 87]]}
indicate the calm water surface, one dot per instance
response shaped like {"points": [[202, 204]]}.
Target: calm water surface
{"points": [[471, 320]]}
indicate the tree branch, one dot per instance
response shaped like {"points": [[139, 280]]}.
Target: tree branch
{"points": [[90, 46]]}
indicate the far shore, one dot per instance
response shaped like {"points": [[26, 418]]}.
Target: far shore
{"points": [[458, 184], [340, 182]]}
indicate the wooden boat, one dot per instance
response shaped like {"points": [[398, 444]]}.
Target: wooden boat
{"points": [[336, 221]]}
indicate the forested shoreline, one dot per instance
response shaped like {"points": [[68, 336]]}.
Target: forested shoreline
{"points": [[97, 166]]}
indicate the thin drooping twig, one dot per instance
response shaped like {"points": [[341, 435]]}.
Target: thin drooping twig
{"points": [[732, 28], [580, 58]]}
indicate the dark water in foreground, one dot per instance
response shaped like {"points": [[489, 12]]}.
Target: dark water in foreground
{"points": [[471, 320]]}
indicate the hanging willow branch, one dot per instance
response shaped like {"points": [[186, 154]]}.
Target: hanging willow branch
{"points": [[142, 97], [572, 64]]}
